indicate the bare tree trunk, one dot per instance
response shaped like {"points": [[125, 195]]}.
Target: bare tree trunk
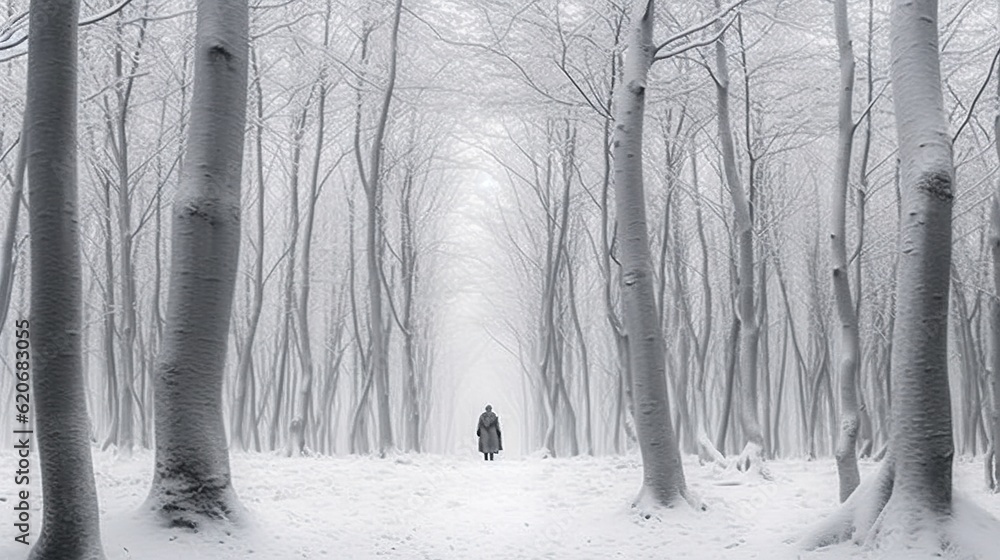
{"points": [[584, 358], [867, 432], [557, 228], [7, 259], [547, 340], [921, 435], [372, 182], [965, 432], [663, 474], [731, 368], [703, 340], [749, 417], [819, 354], [800, 364], [909, 502], [413, 420], [776, 450], [335, 353], [305, 349], [676, 317], [763, 312], [847, 459], [285, 371], [993, 455], [562, 364], [280, 369], [242, 402], [71, 522], [359, 442], [110, 356], [192, 482], [127, 339], [623, 400]]}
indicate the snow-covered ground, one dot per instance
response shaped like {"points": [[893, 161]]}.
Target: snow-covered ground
{"points": [[436, 507]]}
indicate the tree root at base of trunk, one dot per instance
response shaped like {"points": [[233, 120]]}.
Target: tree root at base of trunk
{"points": [[66, 547], [751, 461], [708, 452], [991, 470], [296, 445], [856, 518], [648, 506], [190, 505], [899, 529]]}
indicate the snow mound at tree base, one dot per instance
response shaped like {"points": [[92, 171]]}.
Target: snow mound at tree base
{"points": [[887, 524], [972, 531]]}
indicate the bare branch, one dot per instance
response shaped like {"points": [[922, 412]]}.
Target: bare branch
{"points": [[101, 16], [696, 44], [979, 94], [699, 26]]}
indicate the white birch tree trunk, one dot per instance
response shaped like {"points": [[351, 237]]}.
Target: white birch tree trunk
{"points": [[305, 393], [7, 258], [992, 460], [847, 459], [110, 355], [992, 464], [284, 370], [242, 403], [192, 482], [749, 331], [907, 505], [117, 122], [413, 416], [304, 397], [921, 434], [663, 474], [373, 187], [70, 523]]}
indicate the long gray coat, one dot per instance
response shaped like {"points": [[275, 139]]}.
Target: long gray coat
{"points": [[488, 431]]}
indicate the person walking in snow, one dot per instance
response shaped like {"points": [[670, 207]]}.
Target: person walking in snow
{"points": [[488, 430]]}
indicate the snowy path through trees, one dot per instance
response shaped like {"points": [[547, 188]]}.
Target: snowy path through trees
{"points": [[431, 507]]}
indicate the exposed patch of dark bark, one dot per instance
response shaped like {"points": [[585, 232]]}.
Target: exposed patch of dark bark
{"points": [[220, 52], [182, 499], [937, 184]]}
